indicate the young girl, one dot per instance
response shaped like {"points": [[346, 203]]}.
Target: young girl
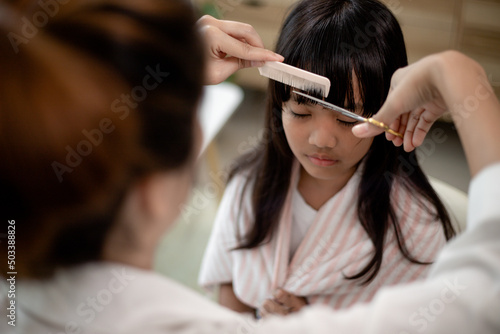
{"points": [[315, 211]]}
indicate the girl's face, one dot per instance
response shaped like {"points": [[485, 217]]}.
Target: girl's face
{"points": [[322, 140]]}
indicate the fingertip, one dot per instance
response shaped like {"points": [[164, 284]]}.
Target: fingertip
{"points": [[397, 141], [263, 313], [279, 57], [361, 130], [410, 148], [266, 305], [273, 56], [278, 293]]}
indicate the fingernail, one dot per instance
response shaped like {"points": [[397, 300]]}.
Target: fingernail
{"points": [[360, 130], [278, 293], [279, 57], [257, 63]]}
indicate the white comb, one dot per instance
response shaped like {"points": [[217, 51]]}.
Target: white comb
{"points": [[295, 77]]}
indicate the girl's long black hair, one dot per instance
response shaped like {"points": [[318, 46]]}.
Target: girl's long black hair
{"points": [[333, 38]]}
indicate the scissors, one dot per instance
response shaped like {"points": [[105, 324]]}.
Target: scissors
{"points": [[351, 114]]}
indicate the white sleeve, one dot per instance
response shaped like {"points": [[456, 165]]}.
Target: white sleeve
{"points": [[217, 265], [461, 295], [484, 194]]}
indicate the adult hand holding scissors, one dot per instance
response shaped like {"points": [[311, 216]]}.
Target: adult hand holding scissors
{"points": [[422, 92]]}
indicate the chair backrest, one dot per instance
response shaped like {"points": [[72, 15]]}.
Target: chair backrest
{"points": [[455, 201]]}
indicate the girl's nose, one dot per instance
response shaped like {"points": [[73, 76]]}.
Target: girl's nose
{"points": [[323, 134]]}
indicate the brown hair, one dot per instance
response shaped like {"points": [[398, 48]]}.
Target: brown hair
{"points": [[96, 96]]}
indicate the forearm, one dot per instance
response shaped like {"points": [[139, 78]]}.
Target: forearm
{"points": [[474, 108], [228, 299]]}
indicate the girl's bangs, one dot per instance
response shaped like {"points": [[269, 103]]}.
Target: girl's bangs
{"points": [[327, 46]]}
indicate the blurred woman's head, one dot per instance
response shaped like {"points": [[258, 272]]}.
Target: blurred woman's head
{"points": [[99, 99]]}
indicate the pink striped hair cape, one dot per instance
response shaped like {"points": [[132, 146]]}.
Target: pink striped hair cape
{"points": [[335, 245]]}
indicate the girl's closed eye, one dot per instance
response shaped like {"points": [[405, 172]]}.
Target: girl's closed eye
{"points": [[347, 123], [299, 114]]}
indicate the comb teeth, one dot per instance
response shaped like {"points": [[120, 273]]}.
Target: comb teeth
{"points": [[295, 77]]}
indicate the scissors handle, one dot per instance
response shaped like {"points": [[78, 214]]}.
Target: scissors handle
{"points": [[383, 126]]}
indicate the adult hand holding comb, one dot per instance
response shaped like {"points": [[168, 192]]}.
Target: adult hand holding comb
{"points": [[231, 46]]}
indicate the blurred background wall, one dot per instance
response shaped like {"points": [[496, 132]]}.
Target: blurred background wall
{"points": [[429, 26]]}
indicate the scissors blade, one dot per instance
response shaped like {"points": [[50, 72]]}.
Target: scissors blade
{"points": [[350, 114], [333, 107]]}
